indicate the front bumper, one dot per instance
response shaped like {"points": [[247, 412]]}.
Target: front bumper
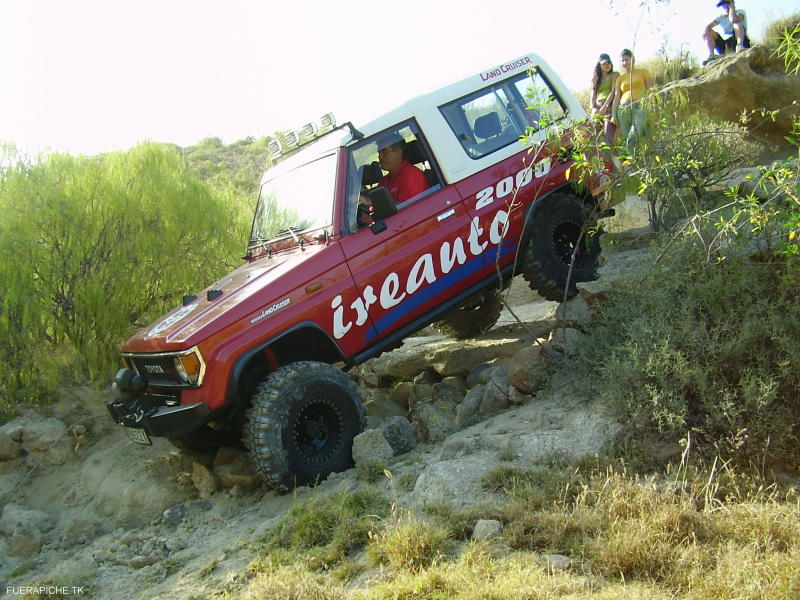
{"points": [[134, 407]]}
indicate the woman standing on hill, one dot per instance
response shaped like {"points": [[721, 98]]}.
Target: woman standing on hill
{"points": [[603, 87], [627, 112]]}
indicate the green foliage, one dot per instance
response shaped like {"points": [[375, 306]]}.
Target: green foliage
{"points": [[706, 348], [329, 526], [92, 248], [778, 31], [235, 167], [408, 543], [684, 155]]}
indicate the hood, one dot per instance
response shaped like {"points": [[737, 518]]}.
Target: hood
{"points": [[222, 304]]}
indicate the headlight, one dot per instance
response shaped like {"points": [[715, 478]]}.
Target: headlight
{"points": [[189, 367]]}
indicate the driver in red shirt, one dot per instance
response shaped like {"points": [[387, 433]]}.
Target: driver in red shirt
{"points": [[403, 180]]}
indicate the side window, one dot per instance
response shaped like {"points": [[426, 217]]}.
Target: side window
{"points": [[501, 113], [397, 159]]}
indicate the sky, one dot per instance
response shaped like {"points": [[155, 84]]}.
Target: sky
{"points": [[90, 76]]}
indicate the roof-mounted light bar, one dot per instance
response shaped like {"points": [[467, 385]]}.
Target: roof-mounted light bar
{"points": [[292, 138], [309, 129], [327, 120], [275, 148]]}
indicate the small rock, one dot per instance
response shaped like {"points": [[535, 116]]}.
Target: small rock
{"points": [[426, 378], [140, 561], [398, 432], [46, 440], [457, 382], [473, 378], [173, 516], [486, 529], [202, 505], [435, 423], [127, 539], [446, 392], [420, 394], [25, 541], [174, 544], [525, 370], [13, 429], [233, 467], [486, 375], [102, 556], [237, 491], [79, 531], [380, 405], [204, 480], [400, 394], [9, 448], [557, 562], [516, 397], [469, 410], [371, 448], [15, 516], [496, 397]]}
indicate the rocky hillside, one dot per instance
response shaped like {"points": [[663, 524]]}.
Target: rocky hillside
{"points": [[752, 83], [83, 506]]}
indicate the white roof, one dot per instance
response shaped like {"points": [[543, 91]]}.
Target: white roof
{"points": [[452, 160]]}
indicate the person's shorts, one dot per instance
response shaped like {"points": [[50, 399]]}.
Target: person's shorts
{"points": [[729, 44]]}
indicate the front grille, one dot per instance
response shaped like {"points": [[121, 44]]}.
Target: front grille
{"points": [[156, 370]]}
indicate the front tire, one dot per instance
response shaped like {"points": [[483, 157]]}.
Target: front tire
{"points": [[472, 318], [301, 424], [550, 240]]}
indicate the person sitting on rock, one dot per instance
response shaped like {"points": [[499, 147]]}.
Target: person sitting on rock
{"points": [[734, 25]]}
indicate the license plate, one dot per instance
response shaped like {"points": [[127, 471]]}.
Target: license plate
{"points": [[138, 435]]}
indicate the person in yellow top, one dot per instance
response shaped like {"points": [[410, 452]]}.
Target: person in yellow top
{"points": [[603, 86], [631, 87]]}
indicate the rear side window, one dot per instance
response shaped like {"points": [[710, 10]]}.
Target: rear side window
{"points": [[501, 113]]}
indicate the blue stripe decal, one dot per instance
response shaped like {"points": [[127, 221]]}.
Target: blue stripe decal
{"points": [[414, 301]]}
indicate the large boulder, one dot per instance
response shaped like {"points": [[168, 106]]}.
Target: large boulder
{"points": [[745, 81]]}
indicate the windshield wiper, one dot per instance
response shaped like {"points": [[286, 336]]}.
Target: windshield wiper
{"points": [[282, 234]]}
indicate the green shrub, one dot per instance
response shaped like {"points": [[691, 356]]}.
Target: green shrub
{"points": [[409, 544], [328, 525], [706, 348], [92, 248], [774, 31]]}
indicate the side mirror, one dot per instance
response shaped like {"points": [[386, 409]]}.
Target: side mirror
{"points": [[382, 204]]}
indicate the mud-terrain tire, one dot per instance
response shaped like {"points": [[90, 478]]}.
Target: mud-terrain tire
{"points": [[474, 317], [550, 238], [301, 422]]}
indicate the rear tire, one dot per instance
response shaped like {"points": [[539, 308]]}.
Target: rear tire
{"points": [[550, 240], [301, 424], [474, 317]]}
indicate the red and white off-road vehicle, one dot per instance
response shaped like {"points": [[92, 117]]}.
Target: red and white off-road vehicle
{"points": [[251, 357]]}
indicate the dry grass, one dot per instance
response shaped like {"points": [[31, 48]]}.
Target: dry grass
{"points": [[407, 543], [689, 534]]}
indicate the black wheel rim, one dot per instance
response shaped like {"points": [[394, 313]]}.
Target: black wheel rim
{"points": [[318, 430], [565, 239]]}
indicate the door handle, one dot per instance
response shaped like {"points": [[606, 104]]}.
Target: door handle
{"points": [[446, 215]]}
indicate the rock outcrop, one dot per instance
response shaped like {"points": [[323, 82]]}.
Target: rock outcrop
{"points": [[744, 82]]}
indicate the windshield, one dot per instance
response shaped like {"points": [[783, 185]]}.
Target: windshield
{"points": [[299, 200]]}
